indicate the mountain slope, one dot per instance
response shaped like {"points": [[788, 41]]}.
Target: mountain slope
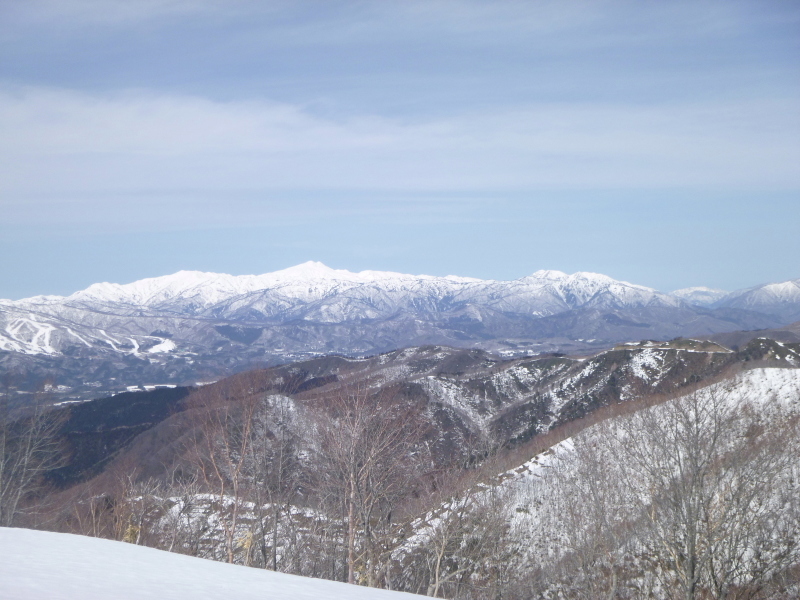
{"points": [[591, 514], [469, 396]]}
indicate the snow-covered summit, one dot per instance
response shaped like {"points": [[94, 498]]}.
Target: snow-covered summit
{"points": [[547, 275], [699, 296], [309, 270], [782, 298], [770, 293], [595, 290]]}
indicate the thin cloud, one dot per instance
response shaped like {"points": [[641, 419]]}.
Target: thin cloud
{"points": [[58, 141]]}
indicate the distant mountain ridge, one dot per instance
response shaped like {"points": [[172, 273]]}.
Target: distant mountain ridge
{"points": [[546, 292], [781, 298], [192, 326]]}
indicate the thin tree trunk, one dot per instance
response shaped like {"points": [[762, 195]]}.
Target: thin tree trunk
{"points": [[351, 534]]}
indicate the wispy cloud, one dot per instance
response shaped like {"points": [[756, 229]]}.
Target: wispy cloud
{"points": [[60, 141]]}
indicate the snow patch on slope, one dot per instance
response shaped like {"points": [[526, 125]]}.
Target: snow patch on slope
{"points": [[164, 346], [28, 335]]}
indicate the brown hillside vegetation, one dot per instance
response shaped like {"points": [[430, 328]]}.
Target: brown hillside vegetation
{"points": [[322, 468]]}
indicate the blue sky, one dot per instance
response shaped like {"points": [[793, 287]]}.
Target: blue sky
{"points": [[656, 142]]}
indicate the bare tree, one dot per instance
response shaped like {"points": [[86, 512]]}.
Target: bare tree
{"points": [[246, 450], [181, 528], [140, 506], [29, 448], [222, 447], [274, 475], [711, 473], [468, 546], [369, 451], [593, 523]]}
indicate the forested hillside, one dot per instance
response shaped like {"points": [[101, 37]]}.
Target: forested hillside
{"points": [[449, 472]]}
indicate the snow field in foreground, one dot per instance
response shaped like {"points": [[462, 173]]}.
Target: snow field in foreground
{"points": [[41, 565]]}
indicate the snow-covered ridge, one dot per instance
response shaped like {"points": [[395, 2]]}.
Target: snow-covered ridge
{"points": [[211, 288], [785, 292], [759, 387], [313, 281], [316, 293], [128, 318]]}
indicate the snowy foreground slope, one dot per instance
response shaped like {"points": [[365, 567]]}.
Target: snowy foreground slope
{"points": [[41, 565]]}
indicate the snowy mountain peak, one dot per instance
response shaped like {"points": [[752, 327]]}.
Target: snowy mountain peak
{"points": [[548, 275], [599, 277], [699, 296], [311, 269], [698, 289], [317, 271], [782, 298], [786, 291], [580, 278], [459, 279]]}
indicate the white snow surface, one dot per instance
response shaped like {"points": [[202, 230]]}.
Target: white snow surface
{"points": [[700, 296], [163, 346], [41, 565]]}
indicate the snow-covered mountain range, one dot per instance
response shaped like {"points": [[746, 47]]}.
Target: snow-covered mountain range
{"points": [[313, 291], [191, 325]]}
